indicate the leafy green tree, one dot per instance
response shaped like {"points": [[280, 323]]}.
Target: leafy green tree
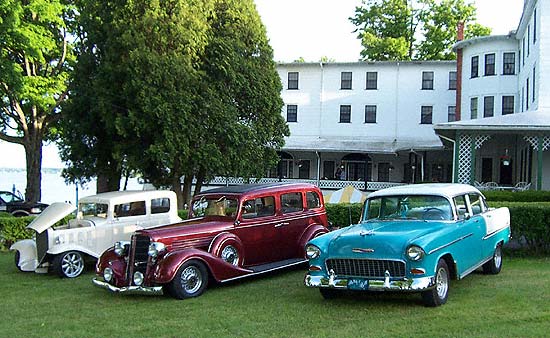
{"points": [[387, 28], [35, 63]]}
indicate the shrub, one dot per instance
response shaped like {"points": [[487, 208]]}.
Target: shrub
{"points": [[13, 229], [519, 196], [183, 213], [342, 215]]}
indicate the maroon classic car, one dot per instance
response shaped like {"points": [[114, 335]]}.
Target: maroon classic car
{"points": [[232, 232]]}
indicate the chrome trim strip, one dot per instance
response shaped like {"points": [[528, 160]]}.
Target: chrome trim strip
{"points": [[475, 267], [494, 233], [265, 271], [450, 243], [142, 290]]}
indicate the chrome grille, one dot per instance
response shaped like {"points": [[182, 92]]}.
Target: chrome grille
{"points": [[41, 245], [367, 268], [138, 255]]}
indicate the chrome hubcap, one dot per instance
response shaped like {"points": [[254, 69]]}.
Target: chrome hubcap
{"points": [[72, 264], [230, 255], [498, 258], [442, 283], [191, 279]]}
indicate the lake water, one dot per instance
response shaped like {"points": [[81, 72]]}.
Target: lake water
{"points": [[54, 188]]}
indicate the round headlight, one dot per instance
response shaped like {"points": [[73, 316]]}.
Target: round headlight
{"points": [[415, 253], [120, 247], [312, 251], [108, 274], [155, 248], [138, 278]]}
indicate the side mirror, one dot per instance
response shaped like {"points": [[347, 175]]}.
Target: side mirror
{"points": [[467, 216], [237, 223]]}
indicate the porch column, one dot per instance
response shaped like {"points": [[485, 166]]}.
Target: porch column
{"points": [[463, 159], [539, 162]]}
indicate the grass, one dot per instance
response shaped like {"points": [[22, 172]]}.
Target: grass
{"points": [[511, 304]]}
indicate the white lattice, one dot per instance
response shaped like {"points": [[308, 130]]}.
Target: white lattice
{"points": [[534, 141], [480, 139], [464, 158]]}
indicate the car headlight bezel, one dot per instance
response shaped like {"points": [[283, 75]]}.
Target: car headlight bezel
{"points": [[415, 253], [121, 248], [108, 274], [155, 248], [312, 251], [138, 278]]}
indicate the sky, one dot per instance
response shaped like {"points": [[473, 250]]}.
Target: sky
{"points": [[310, 29]]}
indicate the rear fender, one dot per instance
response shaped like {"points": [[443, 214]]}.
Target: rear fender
{"points": [[28, 260], [168, 265]]}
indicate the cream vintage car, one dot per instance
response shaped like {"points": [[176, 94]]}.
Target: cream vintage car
{"points": [[101, 221]]}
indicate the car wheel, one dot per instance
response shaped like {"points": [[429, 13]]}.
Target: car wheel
{"points": [[69, 264], [230, 254], [190, 280], [17, 258], [329, 293], [494, 266], [438, 295]]}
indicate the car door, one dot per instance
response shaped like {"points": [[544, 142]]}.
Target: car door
{"points": [[294, 219], [468, 236], [257, 229], [126, 219]]}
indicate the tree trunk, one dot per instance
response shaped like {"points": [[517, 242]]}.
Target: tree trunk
{"points": [[200, 178], [186, 191], [33, 154], [176, 187], [108, 181]]}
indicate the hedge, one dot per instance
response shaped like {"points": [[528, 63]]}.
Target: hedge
{"points": [[530, 224], [517, 196]]}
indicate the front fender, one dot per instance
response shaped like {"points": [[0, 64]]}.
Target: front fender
{"points": [[168, 265], [28, 258], [60, 248], [226, 238]]}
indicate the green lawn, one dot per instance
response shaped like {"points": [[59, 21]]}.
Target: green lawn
{"points": [[515, 303]]}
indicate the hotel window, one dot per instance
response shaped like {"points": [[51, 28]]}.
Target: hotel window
{"points": [[372, 80], [489, 64], [452, 80], [427, 80], [370, 114], [528, 39], [474, 67], [488, 106], [291, 113], [451, 113], [509, 63], [535, 26], [534, 87], [473, 108], [345, 113], [292, 80], [523, 49], [527, 94], [507, 105], [345, 80], [426, 113]]}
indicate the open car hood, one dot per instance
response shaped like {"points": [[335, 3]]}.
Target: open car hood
{"points": [[51, 215]]}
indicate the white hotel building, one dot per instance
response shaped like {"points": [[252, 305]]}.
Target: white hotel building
{"points": [[482, 118]]}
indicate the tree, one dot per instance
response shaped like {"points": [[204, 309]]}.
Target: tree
{"points": [[387, 28], [35, 63]]}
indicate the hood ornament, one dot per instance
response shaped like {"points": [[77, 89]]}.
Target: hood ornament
{"points": [[362, 250], [366, 233]]}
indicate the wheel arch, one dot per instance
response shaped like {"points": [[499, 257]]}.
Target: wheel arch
{"points": [[224, 238], [451, 264]]}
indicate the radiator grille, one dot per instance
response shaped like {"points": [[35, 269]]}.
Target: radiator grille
{"points": [[367, 268], [41, 245], [138, 255]]}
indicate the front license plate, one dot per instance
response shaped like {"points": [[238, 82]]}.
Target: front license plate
{"points": [[358, 284]]}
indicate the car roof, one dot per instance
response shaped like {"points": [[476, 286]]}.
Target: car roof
{"points": [[448, 190], [127, 196], [246, 188]]}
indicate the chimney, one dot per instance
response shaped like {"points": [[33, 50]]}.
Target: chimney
{"points": [[459, 62]]}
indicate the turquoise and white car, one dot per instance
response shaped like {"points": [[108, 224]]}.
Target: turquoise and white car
{"points": [[412, 238]]}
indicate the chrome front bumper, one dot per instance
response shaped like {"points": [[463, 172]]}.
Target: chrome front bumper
{"points": [[142, 290], [416, 284]]}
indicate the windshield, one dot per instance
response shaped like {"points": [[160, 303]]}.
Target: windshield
{"points": [[421, 207], [93, 209], [215, 206], [8, 197]]}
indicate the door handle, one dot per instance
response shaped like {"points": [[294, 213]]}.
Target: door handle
{"points": [[281, 224]]}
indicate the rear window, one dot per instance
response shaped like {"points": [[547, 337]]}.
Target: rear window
{"points": [[130, 209], [292, 202], [313, 200], [160, 205]]}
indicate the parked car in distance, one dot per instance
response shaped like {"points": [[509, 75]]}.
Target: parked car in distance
{"points": [[232, 232], [413, 238], [17, 206], [102, 220]]}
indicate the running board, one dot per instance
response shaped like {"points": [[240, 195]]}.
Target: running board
{"points": [[264, 268]]}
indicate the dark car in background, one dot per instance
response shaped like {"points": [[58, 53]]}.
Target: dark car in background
{"points": [[17, 206]]}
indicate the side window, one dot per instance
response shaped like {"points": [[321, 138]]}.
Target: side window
{"points": [[476, 203], [292, 202], [259, 207], [460, 204], [312, 199], [130, 209], [160, 205]]}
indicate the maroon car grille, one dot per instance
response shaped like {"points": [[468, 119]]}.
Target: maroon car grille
{"points": [[367, 268], [138, 255]]}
